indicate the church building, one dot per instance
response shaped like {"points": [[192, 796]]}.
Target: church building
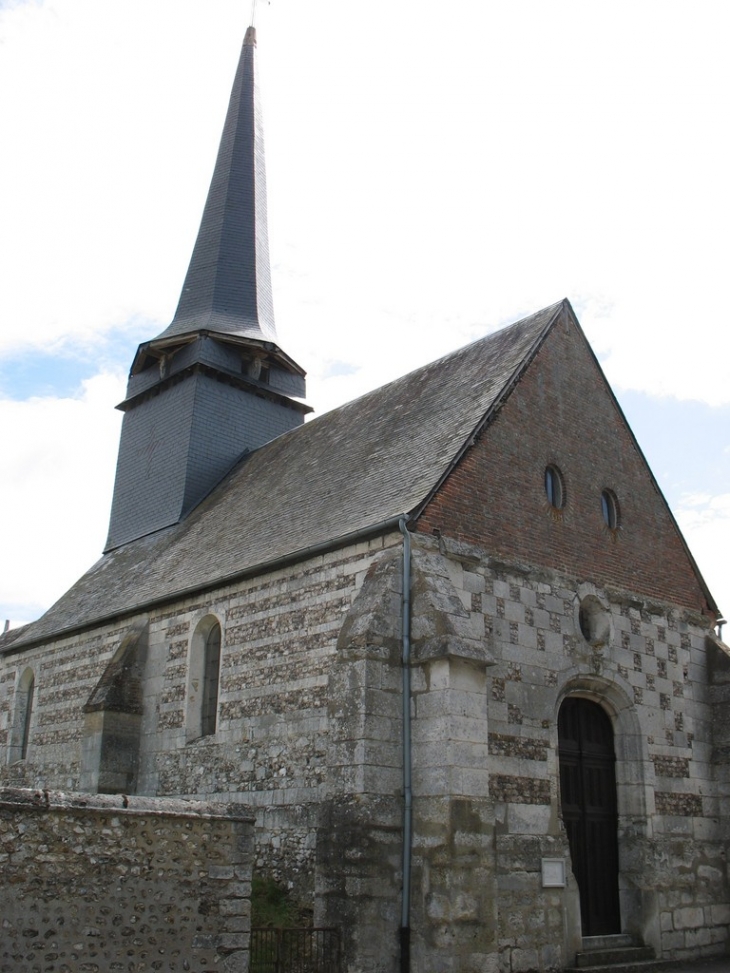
{"points": [[446, 642]]}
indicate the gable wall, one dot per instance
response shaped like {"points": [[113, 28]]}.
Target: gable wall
{"points": [[650, 674], [561, 413], [496, 647]]}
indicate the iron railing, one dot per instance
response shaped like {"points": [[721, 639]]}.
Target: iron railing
{"points": [[305, 950]]}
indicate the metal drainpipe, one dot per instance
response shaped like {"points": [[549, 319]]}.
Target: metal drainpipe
{"points": [[405, 922]]}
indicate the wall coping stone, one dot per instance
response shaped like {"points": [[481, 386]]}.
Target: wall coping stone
{"points": [[45, 800]]}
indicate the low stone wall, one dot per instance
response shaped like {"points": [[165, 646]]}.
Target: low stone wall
{"points": [[96, 884]]}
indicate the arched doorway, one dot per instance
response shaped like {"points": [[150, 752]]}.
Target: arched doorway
{"points": [[588, 799]]}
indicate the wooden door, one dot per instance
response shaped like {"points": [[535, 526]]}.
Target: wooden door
{"points": [[588, 797]]}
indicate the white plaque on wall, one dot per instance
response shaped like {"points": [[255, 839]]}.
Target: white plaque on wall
{"points": [[553, 873]]}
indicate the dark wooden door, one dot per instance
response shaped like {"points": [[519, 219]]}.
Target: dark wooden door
{"points": [[588, 796]]}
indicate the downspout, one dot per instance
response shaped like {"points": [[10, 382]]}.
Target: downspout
{"points": [[405, 921]]}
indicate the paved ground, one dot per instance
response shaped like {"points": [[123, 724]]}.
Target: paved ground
{"points": [[697, 966], [702, 966]]}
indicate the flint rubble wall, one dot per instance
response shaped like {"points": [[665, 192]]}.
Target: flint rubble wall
{"points": [[94, 884]]}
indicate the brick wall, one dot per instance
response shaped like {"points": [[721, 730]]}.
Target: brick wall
{"points": [[97, 884], [562, 413]]}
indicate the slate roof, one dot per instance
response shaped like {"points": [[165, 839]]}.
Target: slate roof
{"points": [[7, 638], [351, 470]]}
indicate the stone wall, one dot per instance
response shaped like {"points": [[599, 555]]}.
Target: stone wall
{"points": [[310, 736], [93, 884], [496, 648], [270, 748], [646, 663]]}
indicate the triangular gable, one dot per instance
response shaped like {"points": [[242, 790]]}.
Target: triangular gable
{"points": [[559, 410]]}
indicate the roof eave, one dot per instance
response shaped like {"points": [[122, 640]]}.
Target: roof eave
{"points": [[263, 567]]}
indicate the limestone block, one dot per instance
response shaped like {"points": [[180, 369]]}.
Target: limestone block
{"points": [[524, 960], [528, 819], [697, 937], [500, 587], [467, 756], [489, 605], [474, 782], [473, 583], [514, 611], [435, 780], [688, 918], [720, 914], [672, 942], [527, 636], [237, 962]]}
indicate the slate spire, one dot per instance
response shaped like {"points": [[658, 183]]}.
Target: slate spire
{"points": [[214, 385], [227, 289]]}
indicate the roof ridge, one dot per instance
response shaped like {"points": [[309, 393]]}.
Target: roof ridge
{"points": [[552, 312], [457, 352]]}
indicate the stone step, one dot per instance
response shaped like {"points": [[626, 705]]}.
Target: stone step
{"points": [[602, 942], [613, 956], [642, 966]]}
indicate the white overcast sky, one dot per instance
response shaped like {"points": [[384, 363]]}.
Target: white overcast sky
{"points": [[435, 170]]}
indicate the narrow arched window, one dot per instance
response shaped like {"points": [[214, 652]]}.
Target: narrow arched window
{"points": [[27, 715], [204, 664], [22, 717], [554, 487], [211, 679], [609, 509]]}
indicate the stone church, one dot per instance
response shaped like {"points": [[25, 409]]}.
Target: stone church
{"points": [[446, 642]]}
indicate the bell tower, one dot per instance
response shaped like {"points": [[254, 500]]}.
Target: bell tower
{"points": [[214, 384]]}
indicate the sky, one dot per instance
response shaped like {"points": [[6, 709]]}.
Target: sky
{"points": [[435, 171]]}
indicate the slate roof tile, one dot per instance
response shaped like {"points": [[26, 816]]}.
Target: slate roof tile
{"points": [[354, 468]]}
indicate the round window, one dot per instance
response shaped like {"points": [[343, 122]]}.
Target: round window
{"points": [[594, 620]]}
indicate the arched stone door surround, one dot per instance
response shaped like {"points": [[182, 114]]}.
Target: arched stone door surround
{"points": [[637, 901]]}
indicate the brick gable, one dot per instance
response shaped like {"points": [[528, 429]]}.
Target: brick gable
{"points": [[561, 412]]}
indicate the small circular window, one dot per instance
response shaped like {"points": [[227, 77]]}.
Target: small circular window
{"points": [[554, 487], [609, 509], [594, 621]]}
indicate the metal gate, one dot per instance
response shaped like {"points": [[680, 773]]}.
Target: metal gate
{"points": [[305, 950]]}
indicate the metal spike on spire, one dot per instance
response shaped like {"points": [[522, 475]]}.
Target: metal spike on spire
{"points": [[253, 11]]}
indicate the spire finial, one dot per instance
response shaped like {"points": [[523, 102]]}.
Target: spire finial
{"points": [[253, 11]]}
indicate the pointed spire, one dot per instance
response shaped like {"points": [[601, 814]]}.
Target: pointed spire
{"points": [[227, 289], [215, 384]]}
